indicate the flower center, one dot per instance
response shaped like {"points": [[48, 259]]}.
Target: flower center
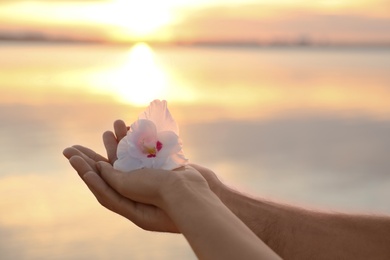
{"points": [[151, 150]]}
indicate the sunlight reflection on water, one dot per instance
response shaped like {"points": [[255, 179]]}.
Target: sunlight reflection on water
{"points": [[137, 81]]}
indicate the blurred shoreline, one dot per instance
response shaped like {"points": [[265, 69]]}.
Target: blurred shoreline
{"points": [[297, 43]]}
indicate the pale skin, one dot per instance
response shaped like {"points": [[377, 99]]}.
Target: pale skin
{"points": [[231, 225], [174, 201]]}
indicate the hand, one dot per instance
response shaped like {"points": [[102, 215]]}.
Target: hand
{"points": [[146, 216]]}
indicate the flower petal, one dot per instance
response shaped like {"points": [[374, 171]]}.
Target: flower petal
{"points": [[123, 148], [143, 128], [154, 162], [127, 164], [128, 148], [158, 113], [175, 161], [172, 151], [170, 143], [179, 158]]}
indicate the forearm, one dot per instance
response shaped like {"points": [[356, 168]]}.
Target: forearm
{"points": [[213, 231], [295, 233]]}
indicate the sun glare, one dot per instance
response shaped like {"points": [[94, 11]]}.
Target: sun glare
{"points": [[138, 81], [139, 19]]}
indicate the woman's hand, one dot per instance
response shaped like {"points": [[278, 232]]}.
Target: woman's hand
{"points": [[90, 166], [147, 216]]}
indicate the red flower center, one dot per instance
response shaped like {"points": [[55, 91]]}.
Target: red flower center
{"points": [[152, 151]]}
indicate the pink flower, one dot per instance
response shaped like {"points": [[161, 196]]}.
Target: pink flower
{"points": [[152, 141]]}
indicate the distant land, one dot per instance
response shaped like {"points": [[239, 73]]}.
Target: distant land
{"points": [[40, 37], [299, 42]]}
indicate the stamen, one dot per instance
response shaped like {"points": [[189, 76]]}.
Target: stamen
{"points": [[152, 151], [159, 146]]}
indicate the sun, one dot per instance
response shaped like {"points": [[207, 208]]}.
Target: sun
{"points": [[139, 19]]}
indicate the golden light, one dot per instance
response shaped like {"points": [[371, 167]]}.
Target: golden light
{"points": [[138, 19], [138, 80], [123, 19]]}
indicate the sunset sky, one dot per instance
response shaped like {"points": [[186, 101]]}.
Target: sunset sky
{"points": [[194, 20]]}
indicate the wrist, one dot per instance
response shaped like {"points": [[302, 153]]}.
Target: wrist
{"points": [[182, 191], [187, 205]]}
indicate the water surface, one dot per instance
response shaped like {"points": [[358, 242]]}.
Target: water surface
{"points": [[302, 126]]}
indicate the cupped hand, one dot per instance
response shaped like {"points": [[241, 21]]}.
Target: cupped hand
{"points": [[113, 194], [149, 217]]}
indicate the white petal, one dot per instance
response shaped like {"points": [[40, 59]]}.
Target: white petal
{"points": [[179, 159], [171, 143], [123, 147], [175, 161], [170, 165], [158, 113], [128, 164], [155, 162], [127, 148], [143, 127]]}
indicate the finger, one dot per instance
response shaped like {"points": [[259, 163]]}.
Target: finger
{"points": [[104, 193], [90, 153], [72, 151], [120, 129], [80, 165], [111, 145], [108, 197]]}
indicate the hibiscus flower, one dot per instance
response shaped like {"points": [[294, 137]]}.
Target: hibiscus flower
{"points": [[151, 142]]}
